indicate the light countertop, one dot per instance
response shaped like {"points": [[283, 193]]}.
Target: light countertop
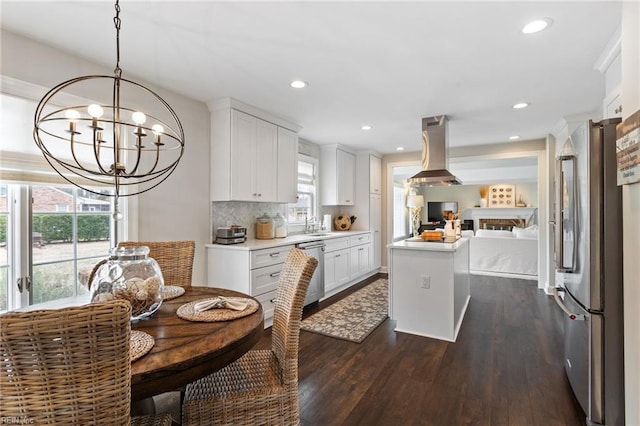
{"points": [[255, 244], [418, 244]]}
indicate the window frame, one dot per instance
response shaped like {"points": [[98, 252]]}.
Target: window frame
{"points": [[315, 194]]}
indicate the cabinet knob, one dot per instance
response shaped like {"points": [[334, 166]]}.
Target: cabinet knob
{"points": [[347, 201], [274, 274]]}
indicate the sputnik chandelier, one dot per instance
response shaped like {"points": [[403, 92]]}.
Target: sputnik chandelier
{"points": [[113, 143]]}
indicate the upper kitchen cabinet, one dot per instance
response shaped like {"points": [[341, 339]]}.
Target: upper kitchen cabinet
{"points": [[375, 174], [337, 175], [287, 166], [610, 64], [253, 154]]}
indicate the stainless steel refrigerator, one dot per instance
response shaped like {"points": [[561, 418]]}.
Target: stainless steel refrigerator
{"points": [[588, 258]]}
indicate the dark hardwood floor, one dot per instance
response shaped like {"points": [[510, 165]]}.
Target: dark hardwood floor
{"points": [[504, 369]]}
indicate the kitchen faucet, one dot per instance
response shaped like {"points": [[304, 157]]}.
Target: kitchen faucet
{"points": [[306, 224]]}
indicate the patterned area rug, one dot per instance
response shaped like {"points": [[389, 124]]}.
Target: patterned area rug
{"points": [[354, 317]]}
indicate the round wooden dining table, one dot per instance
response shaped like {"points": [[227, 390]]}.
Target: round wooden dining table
{"points": [[187, 350]]}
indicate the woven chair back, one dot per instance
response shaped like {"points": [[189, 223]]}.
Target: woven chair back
{"points": [[66, 366], [292, 288], [175, 259]]}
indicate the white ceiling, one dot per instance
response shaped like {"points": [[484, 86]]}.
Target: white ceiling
{"points": [[387, 64]]}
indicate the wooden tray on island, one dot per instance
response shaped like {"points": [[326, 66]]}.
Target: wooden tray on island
{"points": [[435, 240]]}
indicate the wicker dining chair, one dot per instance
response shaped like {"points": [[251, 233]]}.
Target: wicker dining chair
{"points": [[261, 387], [68, 366], [175, 259]]}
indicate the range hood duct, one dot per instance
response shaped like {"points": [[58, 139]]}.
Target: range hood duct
{"points": [[435, 161]]}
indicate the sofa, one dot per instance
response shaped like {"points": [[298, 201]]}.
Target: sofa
{"points": [[505, 253]]}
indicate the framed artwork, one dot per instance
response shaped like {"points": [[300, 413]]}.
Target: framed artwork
{"points": [[502, 196]]}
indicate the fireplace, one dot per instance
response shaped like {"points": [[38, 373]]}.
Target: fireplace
{"points": [[501, 218]]}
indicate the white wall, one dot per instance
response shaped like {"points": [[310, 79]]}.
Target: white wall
{"points": [[631, 217], [178, 209]]}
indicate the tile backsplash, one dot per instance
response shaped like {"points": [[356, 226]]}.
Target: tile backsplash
{"points": [[242, 213], [227, 213]]}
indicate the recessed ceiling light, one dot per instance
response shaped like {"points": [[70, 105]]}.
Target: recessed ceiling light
{"points": [[299, 84], [400, 148], [521, 105], [537, 25], [514, 137], [366, 127]]}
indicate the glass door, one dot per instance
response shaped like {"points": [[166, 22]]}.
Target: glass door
{"points": [[51, 236]]}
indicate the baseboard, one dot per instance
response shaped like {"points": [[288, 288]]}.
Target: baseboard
{"points": [[504, 275]]}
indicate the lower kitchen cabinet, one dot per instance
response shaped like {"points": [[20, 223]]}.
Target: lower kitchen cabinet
{"points": [[346, 261], [254, 272], [360, 260], [360, 254], [336, 263]]}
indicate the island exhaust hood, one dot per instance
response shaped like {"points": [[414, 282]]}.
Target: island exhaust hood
{"points": [[435, 161]]}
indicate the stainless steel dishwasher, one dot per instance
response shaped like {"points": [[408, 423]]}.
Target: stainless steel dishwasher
{"points": [[316, 286]]}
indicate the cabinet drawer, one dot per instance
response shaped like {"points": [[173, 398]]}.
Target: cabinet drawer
{"points": [[359, 239], [334, 244], [267, 300], [270, 256], [265, 279]]}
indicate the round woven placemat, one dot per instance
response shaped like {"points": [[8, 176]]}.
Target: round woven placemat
{"points": [[141, 343], [188, 313], [171, 292]]}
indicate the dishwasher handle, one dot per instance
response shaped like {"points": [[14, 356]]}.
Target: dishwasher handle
{"points": [[311, 245]]}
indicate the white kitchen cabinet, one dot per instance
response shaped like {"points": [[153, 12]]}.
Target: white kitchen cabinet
{"points": [[253, 157], [368, 207], [360, 255], [337, 175], [610, 64], [287, 170], [360, 260], [375, 226], [253, 272], [375, 175], [336, 263]]}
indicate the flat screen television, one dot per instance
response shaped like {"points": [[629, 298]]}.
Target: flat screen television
{"points": [[435, 209]]}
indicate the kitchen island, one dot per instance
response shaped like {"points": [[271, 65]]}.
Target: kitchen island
{"points": [[429, 286]]}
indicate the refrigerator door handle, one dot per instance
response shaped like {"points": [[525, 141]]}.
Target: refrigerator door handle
{"points": [[566, 213], [571, 315]]}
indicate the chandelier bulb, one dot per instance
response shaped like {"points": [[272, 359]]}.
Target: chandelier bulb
{"points": [[157, 129], [95, 110], [117, 215], [139, 118], [72, 115]]}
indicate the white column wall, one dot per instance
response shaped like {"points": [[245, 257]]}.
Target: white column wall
{"points": [[631, 217]]}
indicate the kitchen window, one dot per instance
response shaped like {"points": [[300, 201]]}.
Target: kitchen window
{"points": [[307, 205]]}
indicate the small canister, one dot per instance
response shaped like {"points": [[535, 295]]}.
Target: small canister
{"points": [[265, 229], [280, 225]]}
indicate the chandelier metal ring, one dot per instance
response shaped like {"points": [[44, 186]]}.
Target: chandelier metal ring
{"points": [[92, 130]]}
